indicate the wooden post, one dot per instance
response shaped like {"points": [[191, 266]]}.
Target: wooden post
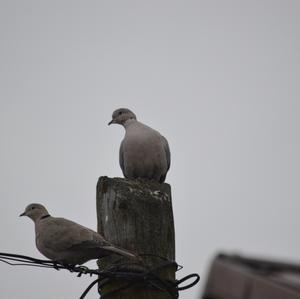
{"points": [[137, 216]]}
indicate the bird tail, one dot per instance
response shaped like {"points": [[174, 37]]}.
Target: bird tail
{"points": [[121, 251]]}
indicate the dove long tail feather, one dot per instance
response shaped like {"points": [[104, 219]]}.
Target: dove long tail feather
{"points": [[120, 251]]}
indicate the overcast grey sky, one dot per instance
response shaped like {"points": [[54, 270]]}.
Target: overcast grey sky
{"points": [[220, 79]]}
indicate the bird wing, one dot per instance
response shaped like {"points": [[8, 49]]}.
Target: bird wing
{"points": [[121, 158], [167, 151], [62, 234]]}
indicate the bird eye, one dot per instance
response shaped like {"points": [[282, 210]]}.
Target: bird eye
{"points": [[32, 208], [120, 112]]}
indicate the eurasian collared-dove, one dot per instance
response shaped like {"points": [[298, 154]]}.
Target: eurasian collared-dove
{"points": [[67, 242], [144, 153]]}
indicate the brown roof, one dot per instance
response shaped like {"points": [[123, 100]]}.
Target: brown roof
{"points": [[236, 277]]}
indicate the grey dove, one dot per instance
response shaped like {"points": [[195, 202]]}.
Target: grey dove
{"points": [[67, 242], [144, 152]]}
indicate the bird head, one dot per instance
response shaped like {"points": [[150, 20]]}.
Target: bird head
{"points": [[120, 116], [35, 211]]}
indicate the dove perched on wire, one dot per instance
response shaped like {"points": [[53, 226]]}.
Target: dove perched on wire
{"points": [[67, 242], [144, 152]]}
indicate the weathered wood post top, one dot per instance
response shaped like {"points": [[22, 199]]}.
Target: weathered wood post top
{"points": [[138, 216]]}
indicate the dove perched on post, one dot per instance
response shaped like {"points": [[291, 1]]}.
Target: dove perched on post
{"points": [[67, 242], [144, 152]]}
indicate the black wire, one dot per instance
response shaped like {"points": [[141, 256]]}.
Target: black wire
{"points": [[196, 276], [141, 275], [89, 288]]}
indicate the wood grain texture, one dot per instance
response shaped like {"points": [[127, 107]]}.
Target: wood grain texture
{"points": [[137, 216]]}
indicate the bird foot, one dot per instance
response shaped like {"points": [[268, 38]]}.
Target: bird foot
{"points": [[84, 269], [69, 267]]}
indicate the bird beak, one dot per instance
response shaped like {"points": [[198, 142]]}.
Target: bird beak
{"points": [[111, 122], [23, 214]]}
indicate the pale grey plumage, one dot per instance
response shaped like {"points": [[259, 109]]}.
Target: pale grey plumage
{"points": [[67, 242], [144, 152]]}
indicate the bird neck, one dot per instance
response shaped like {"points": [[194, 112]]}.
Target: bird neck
{"points": [[44, 216], [41, 218], [129, 123]]}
